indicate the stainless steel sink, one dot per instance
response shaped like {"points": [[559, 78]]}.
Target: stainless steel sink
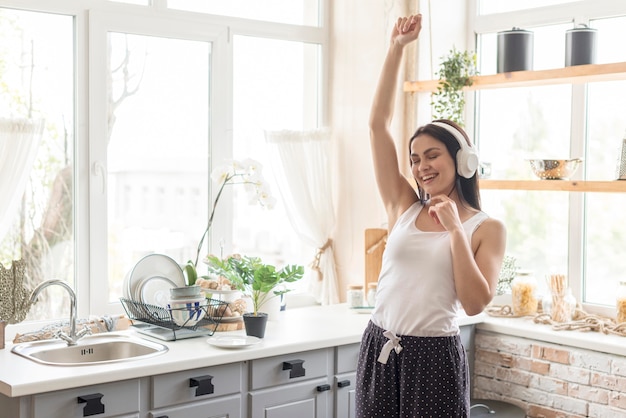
{"points": [[90, 350]]}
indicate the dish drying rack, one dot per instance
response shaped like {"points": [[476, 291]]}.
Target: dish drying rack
{"points": [[157, 321]]}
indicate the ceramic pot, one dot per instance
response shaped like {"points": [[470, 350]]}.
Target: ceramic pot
{"points": [[255, 324]]}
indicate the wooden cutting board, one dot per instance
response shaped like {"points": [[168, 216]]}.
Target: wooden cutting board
{"points": [[375, 240]]}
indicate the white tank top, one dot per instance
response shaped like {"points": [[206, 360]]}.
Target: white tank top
{"points": [[416, 294]]}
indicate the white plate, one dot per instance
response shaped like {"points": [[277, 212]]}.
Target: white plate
{"points": [[233, 341], [154, 265], [155, 290]]}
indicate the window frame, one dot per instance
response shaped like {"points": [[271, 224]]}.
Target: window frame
{"points": [[580, 12]]}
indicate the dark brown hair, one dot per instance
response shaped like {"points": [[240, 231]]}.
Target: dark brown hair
{"points": [[467, 188]]}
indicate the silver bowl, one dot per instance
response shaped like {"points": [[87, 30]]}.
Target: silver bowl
{"points": [[554, 169]]}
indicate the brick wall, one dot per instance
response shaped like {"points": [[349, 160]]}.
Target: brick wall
{"points": [[548, 380]]}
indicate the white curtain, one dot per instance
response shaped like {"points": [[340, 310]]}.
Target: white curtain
{"points": [[19, 140], [301, 160]]}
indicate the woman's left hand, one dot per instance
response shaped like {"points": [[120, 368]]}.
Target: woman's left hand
{"points": [[444, 212]]}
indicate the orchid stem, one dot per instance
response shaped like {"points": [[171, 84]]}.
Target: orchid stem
{"points": [[206, 231]]}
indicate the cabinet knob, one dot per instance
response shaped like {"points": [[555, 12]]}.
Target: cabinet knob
{"points": [[295, 368], [343, 383], [94, 405], [323, 388], [203, 385]]}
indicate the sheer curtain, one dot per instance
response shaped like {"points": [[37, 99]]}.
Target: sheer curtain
{"points": [[19, 140], [301, 162]]}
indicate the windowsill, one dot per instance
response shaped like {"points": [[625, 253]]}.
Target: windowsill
{"points": [[525, 327]]}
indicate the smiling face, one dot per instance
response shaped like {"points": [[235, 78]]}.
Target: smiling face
{"points": [[432, 165]]}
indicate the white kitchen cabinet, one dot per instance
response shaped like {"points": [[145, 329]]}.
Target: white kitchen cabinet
{"points": [[102, 401], [196, 385], [224, 407], [344, 384], [291, 385]]}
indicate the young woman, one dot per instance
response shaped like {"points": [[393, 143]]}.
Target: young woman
{"points": [[442, 254]]}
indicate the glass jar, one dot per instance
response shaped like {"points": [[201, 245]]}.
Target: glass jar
{"points": [[620, 303], [560, 306], [355, 296], [524, 294], [371, 293]]}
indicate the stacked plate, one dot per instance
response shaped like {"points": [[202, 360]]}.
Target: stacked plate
{"points": [[151, 279]]}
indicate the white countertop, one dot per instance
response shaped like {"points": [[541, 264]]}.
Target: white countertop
{"points": [[296, 330], [525, 327]]}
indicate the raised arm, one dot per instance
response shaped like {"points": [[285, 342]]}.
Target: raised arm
{"points": [[395, 190]]}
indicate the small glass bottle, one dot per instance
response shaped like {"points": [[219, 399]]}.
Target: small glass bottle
{"points": [[524, 294], [371, 293], [355, 296], [620, 303]]}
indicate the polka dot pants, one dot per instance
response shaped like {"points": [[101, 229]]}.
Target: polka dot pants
{"points": [[428, 378]]}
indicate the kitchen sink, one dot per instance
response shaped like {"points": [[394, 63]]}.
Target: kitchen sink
{"points": [[90, 350]]}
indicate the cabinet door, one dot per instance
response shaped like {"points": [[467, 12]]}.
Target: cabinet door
{"points": [[345, 395], [226, 407], [309, 399], [100, 401], [346, 358]]}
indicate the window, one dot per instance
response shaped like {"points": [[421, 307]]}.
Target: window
{"points": [[572, 233], [271, 94], [37, 82], [158, 99]]}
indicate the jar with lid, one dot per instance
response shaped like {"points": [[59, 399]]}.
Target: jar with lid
{"points": [[355, 296], [620, 302], [524, 294], [371, 293]]}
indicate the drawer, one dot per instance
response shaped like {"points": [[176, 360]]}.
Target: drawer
{"points": [[196, 384], [229, 406], [101, 401], [289, 368], [347, 358]]}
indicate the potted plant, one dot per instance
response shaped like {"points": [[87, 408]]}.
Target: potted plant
{"points": [[247, 172], [455, 72], [257, 280]]}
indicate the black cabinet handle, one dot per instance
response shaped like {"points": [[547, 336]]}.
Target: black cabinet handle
{"points": [[323, 388], [343, 383], [295, 368], [203, 384], [162, 416], [94, 405]]}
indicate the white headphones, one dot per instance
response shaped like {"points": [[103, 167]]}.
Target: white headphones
{"points": [[466, 157]]}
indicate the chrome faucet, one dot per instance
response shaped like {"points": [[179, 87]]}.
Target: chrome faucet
{"points": [[73, 337]]}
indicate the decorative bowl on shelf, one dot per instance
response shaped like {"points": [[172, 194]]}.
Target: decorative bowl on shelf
{"points": [[554, 169]]}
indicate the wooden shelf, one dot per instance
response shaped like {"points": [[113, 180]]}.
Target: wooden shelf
{"points": [[568, 75], [615, 186]]}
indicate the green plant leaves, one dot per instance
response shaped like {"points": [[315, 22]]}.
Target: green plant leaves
{"points": [[258, 280], [455, 72]]}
